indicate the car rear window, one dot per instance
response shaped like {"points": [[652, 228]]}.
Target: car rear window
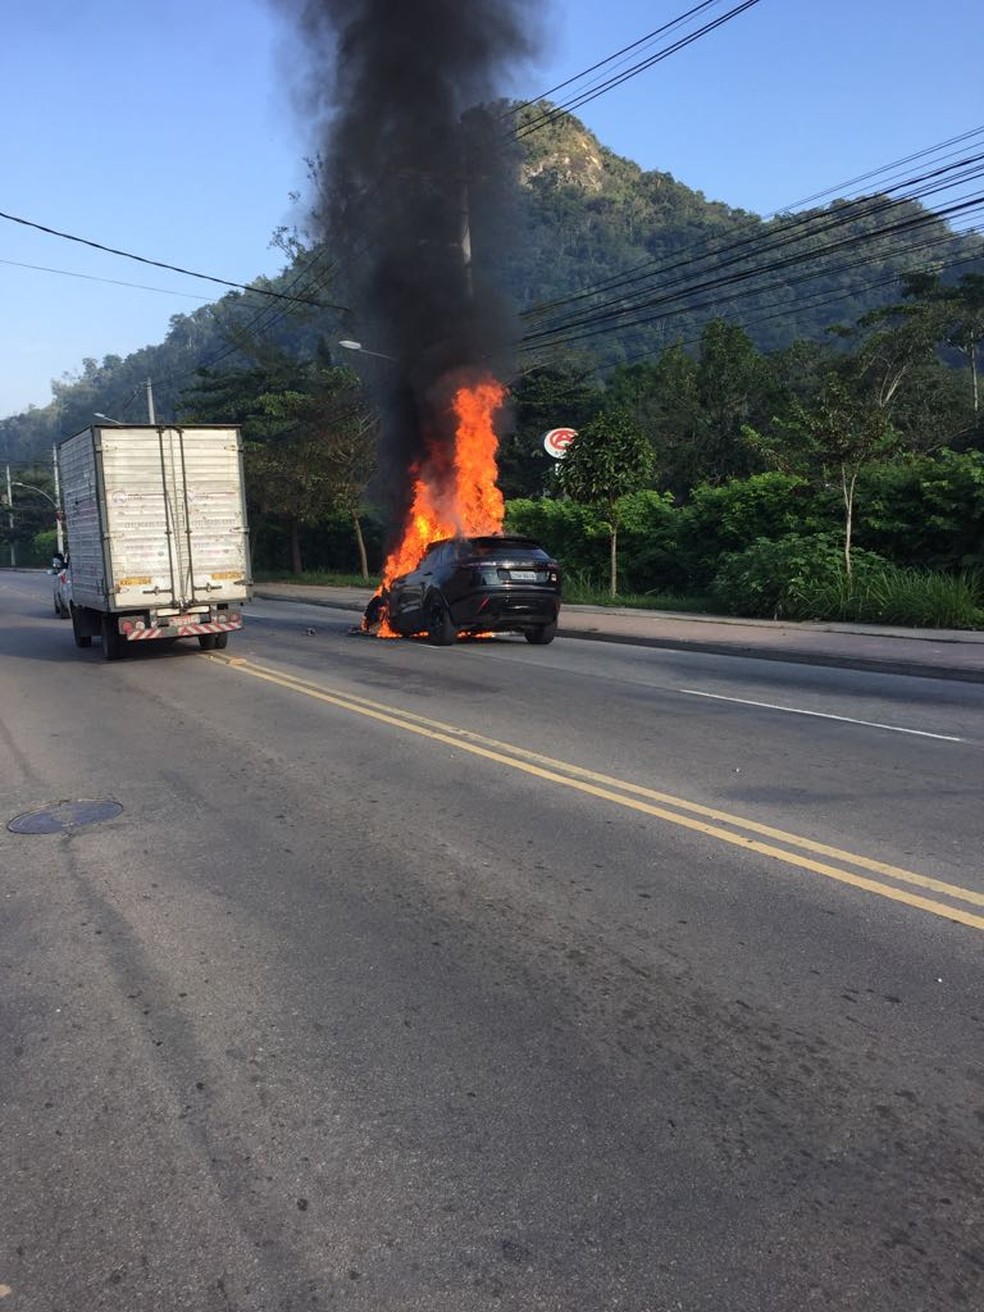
{"points": [[506, 549]]}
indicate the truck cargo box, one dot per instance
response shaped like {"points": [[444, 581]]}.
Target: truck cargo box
{"points": [[155, 516], [156, 520]]}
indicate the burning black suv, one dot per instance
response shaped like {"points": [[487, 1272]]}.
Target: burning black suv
{"points": [[478, 585]]}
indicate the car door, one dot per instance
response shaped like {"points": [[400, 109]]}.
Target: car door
{"points": [[410, 591]]}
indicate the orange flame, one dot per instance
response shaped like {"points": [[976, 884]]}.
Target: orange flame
{"points": [[459, 502]]}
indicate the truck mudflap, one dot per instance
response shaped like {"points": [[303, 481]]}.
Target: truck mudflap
{"points": [[181, 626]]}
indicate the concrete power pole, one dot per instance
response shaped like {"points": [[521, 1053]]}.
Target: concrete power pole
{"points": [[10, 520], [59, 530]]}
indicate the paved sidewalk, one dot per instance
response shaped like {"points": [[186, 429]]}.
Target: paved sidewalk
{"points": [[932, 653]]}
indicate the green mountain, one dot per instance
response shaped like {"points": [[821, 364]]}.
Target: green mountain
{"points": [[668, 260], [613, 264]]}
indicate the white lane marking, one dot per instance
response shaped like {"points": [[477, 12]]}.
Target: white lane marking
{"points": [[822, 715]]}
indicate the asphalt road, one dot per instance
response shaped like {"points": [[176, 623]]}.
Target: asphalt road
{"points": [[587, 977]]}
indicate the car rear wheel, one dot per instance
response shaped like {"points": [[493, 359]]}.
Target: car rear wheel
{"points": [[440, 630], [540, 636]]}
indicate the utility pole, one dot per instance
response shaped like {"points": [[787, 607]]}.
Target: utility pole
{"points": [[59, 531], [465, 238], [10, 520], [151, 415]]}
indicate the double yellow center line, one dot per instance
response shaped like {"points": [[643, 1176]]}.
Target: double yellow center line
{"points": [[803, 853]]}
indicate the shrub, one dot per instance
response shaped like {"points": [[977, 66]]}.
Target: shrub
{"points": [[912, 597], [577, 535], [786, 578], [731, 516], [925, 510], [648, 542], [648, 555], [804, 578]]}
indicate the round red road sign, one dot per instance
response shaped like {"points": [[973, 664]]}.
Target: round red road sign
{"points": [[556, 442]]}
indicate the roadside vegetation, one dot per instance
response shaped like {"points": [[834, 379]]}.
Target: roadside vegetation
{"points": [[832, 479]]}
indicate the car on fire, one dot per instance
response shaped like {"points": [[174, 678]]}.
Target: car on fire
{"points": [[476, 585]]}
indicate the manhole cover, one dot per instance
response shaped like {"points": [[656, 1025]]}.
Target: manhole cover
{"points": [[63, 816]]}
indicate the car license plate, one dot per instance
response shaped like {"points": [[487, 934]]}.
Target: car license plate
{"points": [[523, 575]]}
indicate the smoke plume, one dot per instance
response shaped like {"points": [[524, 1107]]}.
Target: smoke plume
{"points": [[415, 173]]}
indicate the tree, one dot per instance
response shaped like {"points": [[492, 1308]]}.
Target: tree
{"points": [[609, 458], [320, 460], [965, 327], [543, 397], [842, 429], [662, 399], [695, 409], [308, 440], [735, 386]]}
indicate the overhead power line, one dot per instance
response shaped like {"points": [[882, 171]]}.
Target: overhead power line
{"points": [[112, 282], [558, 111], [617, 311], [610, 59], [296, 298], [161, 264], [841, 187], [758, 240], [641, 314]]}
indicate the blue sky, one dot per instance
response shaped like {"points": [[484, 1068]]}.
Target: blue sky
{"points": [[166, 129]]}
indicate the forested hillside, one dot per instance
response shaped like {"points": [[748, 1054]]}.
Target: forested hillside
{"points": [[613, 265]]}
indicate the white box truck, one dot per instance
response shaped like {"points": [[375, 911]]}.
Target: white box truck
{"points": [[157, 535]]}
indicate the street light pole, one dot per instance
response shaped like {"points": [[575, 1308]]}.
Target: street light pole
{"points": [[59, 531], [47, 496], [10, 520]]}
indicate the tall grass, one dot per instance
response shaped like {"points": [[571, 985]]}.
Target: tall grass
{"points": [[886, 594], [317, 577], [893, 594], [583, 587]]}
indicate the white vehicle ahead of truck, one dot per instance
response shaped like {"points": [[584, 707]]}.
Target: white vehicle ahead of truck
{"points": [[156, 520], [61, 587]]}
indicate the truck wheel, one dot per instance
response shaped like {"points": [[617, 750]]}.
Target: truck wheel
{"points": [[221, 641], [81, 639], [207, 641], [112, 644]]}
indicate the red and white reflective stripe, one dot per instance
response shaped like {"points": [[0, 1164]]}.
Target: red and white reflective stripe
{"points": [[183, 630]]}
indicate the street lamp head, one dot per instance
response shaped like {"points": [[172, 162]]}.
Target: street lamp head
{"points": [[364, 350], [31, 488], [107, 419]]}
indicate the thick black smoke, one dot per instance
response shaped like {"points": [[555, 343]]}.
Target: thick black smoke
{"points": [[415, 177]]}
